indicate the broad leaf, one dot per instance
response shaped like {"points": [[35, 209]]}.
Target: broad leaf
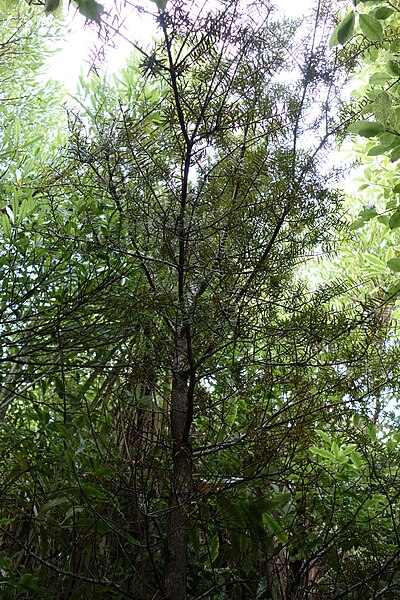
{"points": [[371, 27], [275, 528], [366, 128], [383, 12], [393, 291], [346, 28], [394, 264], [393, 67], [395, 155], [91, 10]]}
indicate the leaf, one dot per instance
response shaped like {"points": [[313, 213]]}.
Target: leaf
{"points": [[346, 28], [91, 10], [395, 155], [55, 502], [333, 40], [375, 262], [387, 139], [10, 213], [390, 253], [74, 510], [214, 548], [357, 224], [323, 453], [379, 78], [368, 214], [17, 128], [325, 436], [275, 528], [356, 459], [394, 264], [335, 450], [161, 4], [377, 150], [366, 128], [51, 5], [383, 107], [92, 492], [5, 223], [383, 12], [393, 291], [371, 27], [393, 67], [262, 588], [394, 220], [29, 582], [279, 499], [372, 431], [396, 189]]}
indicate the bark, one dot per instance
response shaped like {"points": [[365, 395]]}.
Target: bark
{"points": [[175, 582]]}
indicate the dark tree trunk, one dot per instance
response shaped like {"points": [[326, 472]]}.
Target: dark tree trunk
{"points": [[175, 582]]}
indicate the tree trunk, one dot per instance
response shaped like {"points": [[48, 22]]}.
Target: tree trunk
{"points": [[175, 582]]}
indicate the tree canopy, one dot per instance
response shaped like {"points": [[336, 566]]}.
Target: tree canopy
{"points": [[199, 355]]}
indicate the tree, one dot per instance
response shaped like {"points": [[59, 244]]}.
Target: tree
{"points": [[173, 360], [370, 32], [207, 252]]}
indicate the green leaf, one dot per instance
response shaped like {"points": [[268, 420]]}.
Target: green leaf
{"points": [[372, 431], [383, 107], [390, 253], [366, 128], [323, 453], [91, 10], [92, 492], [29, 582], [369, 214], [346, 28], [275, 528], [262, 588], [357, 224], [394, 264], [17, 128], [395, 155], [161, 4], [5, 223], [277, 500], [53, 503], [393, 291], [73, 511], [378, 78], [333, 40], [383, 12], [371, 27], [51, 6], [375, 262], [387, 139], [396, 189], [356, 459], [214, 548], [393, 67], [377, 150], [325, 436]]}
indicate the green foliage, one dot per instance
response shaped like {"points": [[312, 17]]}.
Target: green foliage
{"points": [[90, 9], [154, 267]]}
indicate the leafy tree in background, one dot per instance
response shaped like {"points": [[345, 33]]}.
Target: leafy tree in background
{"points": [[184, 413], [371, 31]]}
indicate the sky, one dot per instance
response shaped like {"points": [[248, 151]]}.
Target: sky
{"points": [[73, 58]]}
